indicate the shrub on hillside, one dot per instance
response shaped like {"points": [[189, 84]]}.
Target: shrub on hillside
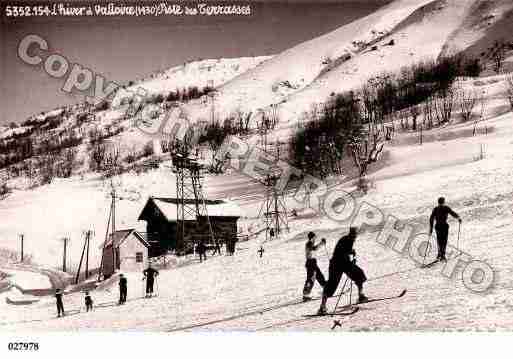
{"points": [[4, 190], [148, 149], [509, 90], [318, 147]]}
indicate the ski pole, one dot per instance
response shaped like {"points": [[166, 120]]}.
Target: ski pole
{"points": [[340, 295], [425, 252], [351, 285], [326, 251], [351, 293], [458, 242]]}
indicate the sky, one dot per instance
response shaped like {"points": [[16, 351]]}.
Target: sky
{"points": [[127, 48]]}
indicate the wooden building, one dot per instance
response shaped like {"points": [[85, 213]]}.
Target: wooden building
{"points": [[160, 215], [130, 252]]}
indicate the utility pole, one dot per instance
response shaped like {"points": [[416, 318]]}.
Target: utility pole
{"points": [[22, 237], [88, 237], [212, 105], [113, 211], [65, 241], [84, 249]]}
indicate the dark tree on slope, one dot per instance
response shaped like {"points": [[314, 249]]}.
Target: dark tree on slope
{"points": [[214, 135], [509, 90], [318, 147], [4, 190], [46, 168], [497, 54], [97, 156], [69, 155]]}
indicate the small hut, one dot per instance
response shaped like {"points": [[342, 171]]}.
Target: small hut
{"points": [[126, 250]]}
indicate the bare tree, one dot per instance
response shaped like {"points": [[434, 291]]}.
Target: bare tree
{"points": [[444, 105], [4, 190], [113, 159], [414, 113], [97, 156], [498, 55], [509, 90], [468, 101], [46, 169], [68, 162], [366, 152], [428, 109], [482, 102]]}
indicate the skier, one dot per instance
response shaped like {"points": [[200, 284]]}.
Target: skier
{"points": [[312, 269], [217, 248], [88, 302], [340, 263], [440, 214], [60, 305], [122, 288], [201, 249], [149, 275]]}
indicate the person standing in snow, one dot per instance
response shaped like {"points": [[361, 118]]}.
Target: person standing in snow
{"points": [[201, 249], [60, 305], [149, 275], [312, 269], [440, 214], [123, 284], [341, 263], [88, 302]]}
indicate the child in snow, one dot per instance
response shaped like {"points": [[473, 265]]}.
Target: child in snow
{"points": [[60, 305], [123, 284], [88, 302]]}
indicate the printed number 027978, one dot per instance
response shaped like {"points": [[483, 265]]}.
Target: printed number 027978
{"points": [[23, 346]]}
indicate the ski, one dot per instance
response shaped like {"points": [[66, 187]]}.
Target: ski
{"points": [[429, 265], [337, 313], [371, 300]]}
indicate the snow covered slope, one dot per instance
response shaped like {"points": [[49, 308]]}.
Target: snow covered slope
{"points": [[343, 59], [234, 292], [210, 72]]}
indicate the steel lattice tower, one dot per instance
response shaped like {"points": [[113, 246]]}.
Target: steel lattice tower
{"points": [[190, 204], [274, 210]]}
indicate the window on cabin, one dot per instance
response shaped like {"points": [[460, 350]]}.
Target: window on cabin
{"points": [[138, 257]]}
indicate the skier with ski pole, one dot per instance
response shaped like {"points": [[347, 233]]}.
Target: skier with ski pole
{"points": [[440, 214], [150, 274], [312, 269], [341, 263]]}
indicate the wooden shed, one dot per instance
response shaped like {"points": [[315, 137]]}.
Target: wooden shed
{"points": [[130, 253], [160, 215]]}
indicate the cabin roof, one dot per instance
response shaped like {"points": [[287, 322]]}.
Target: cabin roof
{"points": [[120, 236], [215, 208]]}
